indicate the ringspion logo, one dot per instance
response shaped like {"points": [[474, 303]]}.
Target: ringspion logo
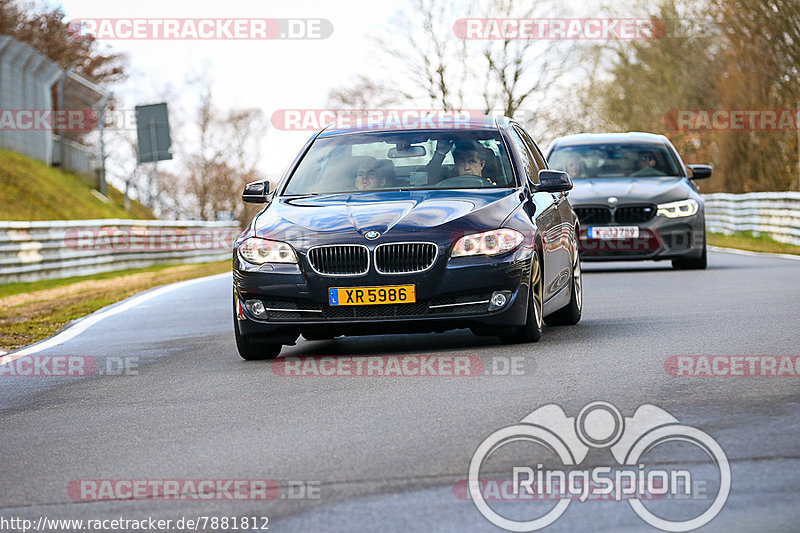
{"points": [[633, 441]]}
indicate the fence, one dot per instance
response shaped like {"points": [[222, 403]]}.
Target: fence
{"points": [[77, 157], [31, 251], [776, 214], [26, 77]]}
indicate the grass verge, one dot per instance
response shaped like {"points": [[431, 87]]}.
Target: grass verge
{"points": [[748, 241], [32, 190], [30, 312]]}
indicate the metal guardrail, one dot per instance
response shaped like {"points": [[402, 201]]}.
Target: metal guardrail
{"points": [[31, 251], [776, 214]]}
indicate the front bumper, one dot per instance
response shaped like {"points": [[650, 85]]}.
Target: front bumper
{"points": [[659, 238], [453, 294]]}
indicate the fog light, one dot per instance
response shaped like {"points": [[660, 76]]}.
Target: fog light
{"points": [[256, 308], [499, 300]]}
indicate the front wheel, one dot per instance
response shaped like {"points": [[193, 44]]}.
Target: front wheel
{"points": [[532, 330], [249, 350], [698, 263], [571, 314], [254, 351]]}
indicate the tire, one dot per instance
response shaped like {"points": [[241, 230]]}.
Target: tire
{"points": [[694, 263], [253, 351], [318, 336], [571, 313], [532, 330]]}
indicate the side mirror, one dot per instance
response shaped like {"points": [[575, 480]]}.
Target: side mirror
{"points": [[700, 172], [256, 192], [554, 181]]}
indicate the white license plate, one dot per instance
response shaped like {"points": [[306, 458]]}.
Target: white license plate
{"points": [[613, 232]]}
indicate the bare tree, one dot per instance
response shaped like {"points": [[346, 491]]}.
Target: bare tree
{"points": [[505, 75], [363, 93], [434, 61], [223, 160], [520, 68]]}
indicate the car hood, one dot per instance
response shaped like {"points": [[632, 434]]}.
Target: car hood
{"points": [[385, 211], [629, 190]]}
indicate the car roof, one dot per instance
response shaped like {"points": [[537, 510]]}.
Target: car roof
{"points": [[473, 122], [631, 137]]}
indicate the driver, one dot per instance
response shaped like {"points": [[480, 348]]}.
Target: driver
{"points": [[470, 158], [646, 160]]}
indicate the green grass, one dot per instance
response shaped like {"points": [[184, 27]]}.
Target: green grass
{"points": [[30, 312], [9, 289], [749, 241], [32, 190]]}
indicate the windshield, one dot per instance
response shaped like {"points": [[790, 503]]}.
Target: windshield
{"points": [[406, 160], [614, 160]]}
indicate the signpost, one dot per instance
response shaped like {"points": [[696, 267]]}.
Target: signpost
{"points": [[153, 141], [101, 121]]}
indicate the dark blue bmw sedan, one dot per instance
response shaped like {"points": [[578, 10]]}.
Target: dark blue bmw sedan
{"points": [[392, 228]]}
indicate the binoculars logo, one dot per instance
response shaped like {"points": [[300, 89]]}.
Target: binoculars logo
{"points": [[600, 425]]}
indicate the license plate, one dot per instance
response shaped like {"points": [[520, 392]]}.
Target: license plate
{"points": [[613, 232], [389, 294]]}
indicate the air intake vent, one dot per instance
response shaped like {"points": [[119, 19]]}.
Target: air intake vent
{"points": [[634, 213], [339, 260], [593, 215], [404, 257]]}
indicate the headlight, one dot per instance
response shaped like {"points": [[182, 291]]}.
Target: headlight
{"points": [[684, 208], [493, 242], [260, 251]]}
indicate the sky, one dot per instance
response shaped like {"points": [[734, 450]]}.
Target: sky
{"points": [[270, 75]]}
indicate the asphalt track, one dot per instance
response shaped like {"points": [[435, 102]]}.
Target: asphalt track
{"points": [[384, 452]]}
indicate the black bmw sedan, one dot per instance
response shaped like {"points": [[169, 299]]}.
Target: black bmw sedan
{"points": [[635, 198], [392, 228]]}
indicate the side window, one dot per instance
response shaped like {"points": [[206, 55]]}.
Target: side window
{"points": [[541, 162], [528, 162]]}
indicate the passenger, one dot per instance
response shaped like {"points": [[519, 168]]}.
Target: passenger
{"points": [[374, 174], [575, 166]]}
